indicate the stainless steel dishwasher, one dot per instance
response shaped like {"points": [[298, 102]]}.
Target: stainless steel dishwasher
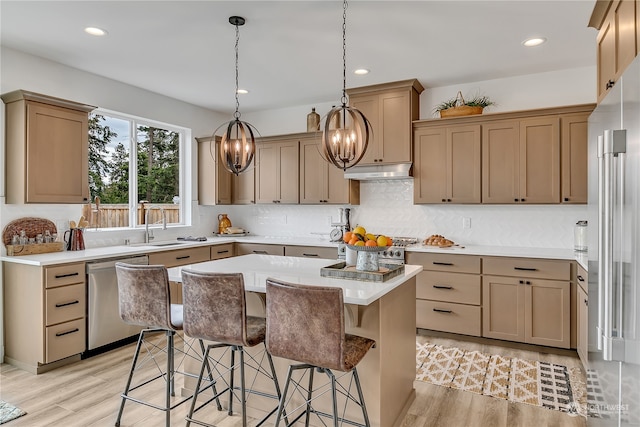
{"points": [[104, 323]]}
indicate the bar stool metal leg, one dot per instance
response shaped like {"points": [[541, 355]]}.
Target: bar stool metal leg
{"points": [[309, 395], [361, 397], [131, 371]]}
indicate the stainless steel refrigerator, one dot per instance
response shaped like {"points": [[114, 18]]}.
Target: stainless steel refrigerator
{"points": [[613, 371]]}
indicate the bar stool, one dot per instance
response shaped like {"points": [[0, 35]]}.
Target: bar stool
{"points": [[306, 324], [215, 310], [145, 300]]}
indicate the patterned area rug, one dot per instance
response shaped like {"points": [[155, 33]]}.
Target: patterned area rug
{"points": [[523, 381], [9, 412]]}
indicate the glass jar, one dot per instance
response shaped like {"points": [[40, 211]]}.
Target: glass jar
{"points": [[580, 236]]}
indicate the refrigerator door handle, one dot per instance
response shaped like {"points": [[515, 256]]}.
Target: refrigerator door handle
{"points": [[609, 329]]}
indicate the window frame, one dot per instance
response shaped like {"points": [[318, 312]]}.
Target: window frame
{"points": [[185, 165]]}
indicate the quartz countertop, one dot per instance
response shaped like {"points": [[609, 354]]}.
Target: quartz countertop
{"points": [[142, 248], [257, 268]]}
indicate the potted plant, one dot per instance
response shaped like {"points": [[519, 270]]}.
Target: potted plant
{"points": [[459, 106]]}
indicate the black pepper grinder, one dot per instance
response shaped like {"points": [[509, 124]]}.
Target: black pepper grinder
{"points": [[347, 224]]}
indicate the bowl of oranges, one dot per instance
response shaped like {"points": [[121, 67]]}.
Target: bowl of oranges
{"points": [[359, 240]]}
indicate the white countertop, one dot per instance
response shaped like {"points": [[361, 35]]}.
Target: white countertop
{"points": [[140, 248], [257, 268]]}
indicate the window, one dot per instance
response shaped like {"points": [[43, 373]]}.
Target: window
{"points": [[136, 171]]}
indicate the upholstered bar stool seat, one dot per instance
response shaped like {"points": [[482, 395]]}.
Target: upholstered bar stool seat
{"points": [[306, 324], [215, 310], [145, 300]]}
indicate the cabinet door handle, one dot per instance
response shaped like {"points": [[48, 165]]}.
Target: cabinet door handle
{"points": [[310, 255], [442, 287], [580, 278], [444, 200], [566, 199], [64, 304], [183, 257], [586, 302], [439, 310], [442, 263], [525, 269], [59, 334], [60, 276], [223, 252], [260, 252], [516, 200]]}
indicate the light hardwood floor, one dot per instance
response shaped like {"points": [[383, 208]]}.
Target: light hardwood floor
{"points": [[87, 393]]}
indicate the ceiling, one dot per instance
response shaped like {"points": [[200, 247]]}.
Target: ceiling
{"points": [[290, 52]]}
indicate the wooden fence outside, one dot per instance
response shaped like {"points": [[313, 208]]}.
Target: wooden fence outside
{"points": [[117, 215]]}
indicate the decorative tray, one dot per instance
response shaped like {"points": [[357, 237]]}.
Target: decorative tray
{"points": [[246, 233], [342, 271]]}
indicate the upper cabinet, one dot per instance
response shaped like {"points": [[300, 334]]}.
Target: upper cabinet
{"points": [[214, 181], [618, 39], [390, 108], [47, 146], [277, 170], [321, 182], [535, 156], [447, 164]]}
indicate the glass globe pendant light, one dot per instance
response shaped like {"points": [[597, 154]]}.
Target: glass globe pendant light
{"points": [[346, 132], [237, 144]]}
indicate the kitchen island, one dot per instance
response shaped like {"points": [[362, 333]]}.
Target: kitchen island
{"points": [[382, 311]]}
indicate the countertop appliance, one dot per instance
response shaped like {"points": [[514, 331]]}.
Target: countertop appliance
{"points": [[613, 371], [392, 255], [103, 317]]}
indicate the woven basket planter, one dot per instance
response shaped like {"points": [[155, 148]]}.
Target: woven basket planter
{"points": [[463, 110]]}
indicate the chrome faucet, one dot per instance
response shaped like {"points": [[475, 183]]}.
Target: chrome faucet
{"points": [[148, 235]]}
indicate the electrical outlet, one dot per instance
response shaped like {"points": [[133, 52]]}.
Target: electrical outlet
{"points": [[466, 222]]}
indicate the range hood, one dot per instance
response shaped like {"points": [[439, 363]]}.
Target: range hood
{"points": [[370, 172]]}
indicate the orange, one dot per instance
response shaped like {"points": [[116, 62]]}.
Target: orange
{"points": [[353, 240], [347, 236], [389, 241], [371, 243]]}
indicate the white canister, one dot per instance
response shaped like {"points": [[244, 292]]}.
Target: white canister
{"points": [[580, 236], [351, 256]]}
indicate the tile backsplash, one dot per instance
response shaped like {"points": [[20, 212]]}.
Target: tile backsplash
{"points": [[387, 208]]}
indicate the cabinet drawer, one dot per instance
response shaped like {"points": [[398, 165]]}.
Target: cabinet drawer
{"points": [[65, 339], [311, 252], [222, 251], [180, 257], [258, 248], [449, 287], [582, 279], [527, 267], [448, 317], [65, 303], [64, 275], [445, 262]]}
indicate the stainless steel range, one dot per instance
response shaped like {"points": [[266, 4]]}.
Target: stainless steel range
{"points": [[392, 255]]}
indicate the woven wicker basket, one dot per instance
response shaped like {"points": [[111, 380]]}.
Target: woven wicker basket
{"points": [[460, 109]]}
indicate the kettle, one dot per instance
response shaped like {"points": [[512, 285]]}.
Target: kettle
{"points": [[223, 223]]}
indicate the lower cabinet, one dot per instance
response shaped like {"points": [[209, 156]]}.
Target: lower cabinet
{"points": [[258, 248], [311, 251], [582, 325], [448, 293], [177, 258], [221, 251], [527, 300], [46, 307]]}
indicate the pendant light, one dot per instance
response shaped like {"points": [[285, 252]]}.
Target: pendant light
{"points": [[346, 132], [237, 144]]}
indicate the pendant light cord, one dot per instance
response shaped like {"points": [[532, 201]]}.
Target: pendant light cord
{"points": [[237, 113], [344, 54]]}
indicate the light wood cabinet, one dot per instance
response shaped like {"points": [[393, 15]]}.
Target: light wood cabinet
{"points": [[448, 293], [175, 258], [259, 248], [47, 145], [46, 310], [243, 190], [521, 161], [574, 158], [390, 108], [527, 300], [222, 251], [320, 182], [447, 164], [311, 251], [277, 168], [617, 42], [582, 326], [214, 181]]}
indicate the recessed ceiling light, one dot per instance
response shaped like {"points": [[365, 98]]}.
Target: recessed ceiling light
{"points": [[95, 31], [243, 91], [361, 71], [534, 41]]}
